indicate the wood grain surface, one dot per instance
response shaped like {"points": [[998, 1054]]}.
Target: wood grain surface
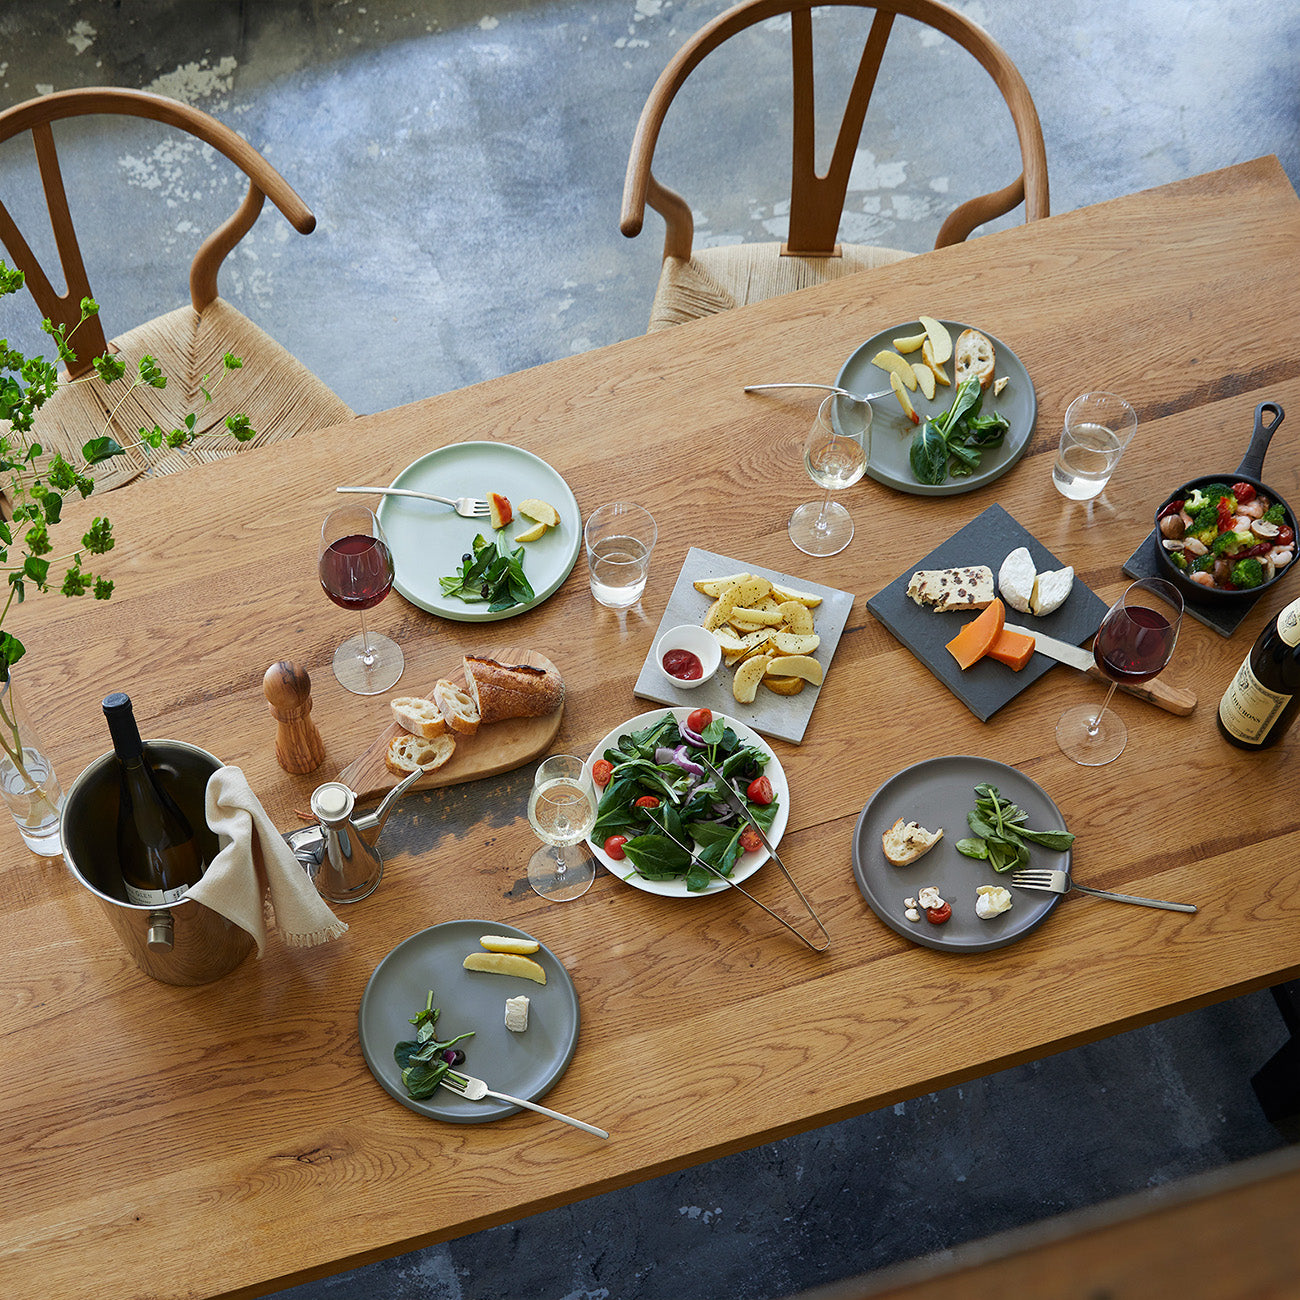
{"points": [[228, 1140], [490, 751]]}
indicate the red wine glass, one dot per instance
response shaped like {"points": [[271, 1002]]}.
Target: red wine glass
{"points": [[1133, 645], [356, 571]]}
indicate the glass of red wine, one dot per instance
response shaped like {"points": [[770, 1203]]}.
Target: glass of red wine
{"points": [[356, 571], [1133, 645]]}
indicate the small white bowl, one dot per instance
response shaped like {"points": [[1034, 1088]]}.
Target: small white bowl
{"points": [[704, 645]]}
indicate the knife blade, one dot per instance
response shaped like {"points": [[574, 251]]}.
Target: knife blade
{"points": [[1173, 699]]}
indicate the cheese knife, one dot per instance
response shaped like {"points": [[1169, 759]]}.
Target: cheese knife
{"points": [[1173, 699]]}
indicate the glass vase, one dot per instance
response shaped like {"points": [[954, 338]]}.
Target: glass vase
{"points": [[27, 780]]}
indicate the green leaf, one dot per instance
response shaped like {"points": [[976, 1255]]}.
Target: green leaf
{"points": [[11, 649], [36, 569], [101, 449], [928, 454], [99, 539]]}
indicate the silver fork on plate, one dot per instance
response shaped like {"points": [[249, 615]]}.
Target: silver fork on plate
{"points": [[470, 507], [475, 1089], [1060, 882]]}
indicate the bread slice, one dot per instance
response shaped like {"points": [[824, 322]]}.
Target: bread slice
{"points": [[904, 842], [407, 753], [974, 356], [419, 716], [459, 708], [503, 691]]}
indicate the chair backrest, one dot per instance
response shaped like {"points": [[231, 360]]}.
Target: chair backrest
{"points": [[36, 115], [817, 202]]}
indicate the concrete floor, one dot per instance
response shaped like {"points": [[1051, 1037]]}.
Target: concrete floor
{"points": [[465, 160]]}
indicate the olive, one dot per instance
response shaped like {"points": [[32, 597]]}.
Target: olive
{"points": [[454, 1056]]}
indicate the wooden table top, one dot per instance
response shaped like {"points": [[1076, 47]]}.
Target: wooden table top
{"points": [[229, 1140]]}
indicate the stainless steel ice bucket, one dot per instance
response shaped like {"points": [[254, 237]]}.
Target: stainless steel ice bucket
{"points": [[184, 942]]}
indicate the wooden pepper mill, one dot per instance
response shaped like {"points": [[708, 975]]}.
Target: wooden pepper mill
{"points": [[298, 744]]}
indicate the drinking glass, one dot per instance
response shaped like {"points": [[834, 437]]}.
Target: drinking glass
{"points": [[561, 810], [835, 456], [1098, 426], [619, 538], [1133, 645], [356, 571]]}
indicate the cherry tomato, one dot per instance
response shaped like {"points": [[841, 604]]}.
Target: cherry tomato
{"points": [[699, 720], [646, 801], [1243, 492], [601, 770], [1285, 535], [760, 790], [614, 847], [938, 915], [750, 840]]}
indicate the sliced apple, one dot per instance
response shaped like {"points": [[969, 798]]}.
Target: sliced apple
{"points": [[891, 361], [901, 393], [924, 378], [911, 343], [499, 510], [505, 963], [540, 512], [508, 943], [536, 531], [940, 339], [935, 366]]}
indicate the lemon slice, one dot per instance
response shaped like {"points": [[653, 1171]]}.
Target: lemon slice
{"points": [[505, 943], [505, 963]]}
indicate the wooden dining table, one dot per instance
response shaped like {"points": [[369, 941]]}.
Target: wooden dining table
{"points": [[229, 1140]]}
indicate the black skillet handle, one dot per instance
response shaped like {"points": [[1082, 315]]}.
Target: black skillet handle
{"points": [[1253, 463]]}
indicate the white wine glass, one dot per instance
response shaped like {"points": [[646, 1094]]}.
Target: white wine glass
{"points": [[561, 810], [1133, 644], [835, 455]]}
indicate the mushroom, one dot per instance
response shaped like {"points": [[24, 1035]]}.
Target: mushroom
{"points": [[1172, 526]]}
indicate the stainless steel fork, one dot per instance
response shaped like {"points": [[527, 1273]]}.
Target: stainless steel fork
{"points": [[1060, 882], [470, 507], [475, 1089]]}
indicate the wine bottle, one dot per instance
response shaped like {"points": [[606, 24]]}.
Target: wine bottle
{"points": [[1264, 694], [156, 848]]}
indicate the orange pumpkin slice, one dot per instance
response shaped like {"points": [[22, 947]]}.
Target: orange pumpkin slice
{"points": [[1014, 649], [978, 637]]}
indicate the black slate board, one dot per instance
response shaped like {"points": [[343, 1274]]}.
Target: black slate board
{"points": [[1224, 616], [988, 539]]}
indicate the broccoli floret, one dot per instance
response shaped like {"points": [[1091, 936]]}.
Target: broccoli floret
{"points": [[1248, 572], [1178, 559], [1231, 543], [1202, 563], [1209, 496], [1275, 514]]}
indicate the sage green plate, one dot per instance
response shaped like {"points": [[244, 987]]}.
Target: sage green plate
{"points": [[428, 539]]}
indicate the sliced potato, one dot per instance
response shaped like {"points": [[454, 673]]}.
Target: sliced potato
{"points": [[790, 593], [940, 339], [505, 963], [803, 666], [936, 366], [714, 618], [924, 378], [506, 943], [789, 643], [797, 616], [716, 586], [540, 512], [891, 361], [758, 617], [901, 393], [911, 342], [783, 685], [728, 640], [536, 531], [744, 685]]}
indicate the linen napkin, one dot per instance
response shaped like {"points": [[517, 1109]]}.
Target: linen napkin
{"points": [[256, 878]]}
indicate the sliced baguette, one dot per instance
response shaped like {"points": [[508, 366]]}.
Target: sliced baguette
{"points": [[501, 691], [905, 841], [407, 753], [974, 356], [419, 716], [459, 708]]}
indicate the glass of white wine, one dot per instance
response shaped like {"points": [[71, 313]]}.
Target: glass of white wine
{"points": [[561, 810], [835, 455]]}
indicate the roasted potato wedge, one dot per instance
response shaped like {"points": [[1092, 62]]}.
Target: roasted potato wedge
{"points": [[803, 666], [789, 643], [744, 685], [783, 685], [714, 587]]}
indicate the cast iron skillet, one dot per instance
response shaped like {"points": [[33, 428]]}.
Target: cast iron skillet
{"points": [[1247, 472]]}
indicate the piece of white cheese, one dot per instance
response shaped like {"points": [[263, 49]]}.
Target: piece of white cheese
{"points": [[1016, 579], [1051, 590], [949, 589], [991, 901], [517, 1014]]}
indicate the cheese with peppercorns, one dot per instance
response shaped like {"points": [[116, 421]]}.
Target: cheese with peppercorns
{"points": [[953, 589]]}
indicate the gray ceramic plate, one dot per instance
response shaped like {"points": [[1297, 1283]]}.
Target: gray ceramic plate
{"points": [[428, 539], [525, 1065], [939, 793], [892, 431]]}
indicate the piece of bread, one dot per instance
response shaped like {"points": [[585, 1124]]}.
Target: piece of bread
{"points": [[419, 716], [974, 356], [904, 842], [407, 753], [503, 691], [459, 708]]}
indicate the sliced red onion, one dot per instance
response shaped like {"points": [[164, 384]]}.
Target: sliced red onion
{"points": [[693, 736], [684, 761]]}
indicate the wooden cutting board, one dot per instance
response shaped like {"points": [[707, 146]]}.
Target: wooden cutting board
{"points": [[499, 747]]}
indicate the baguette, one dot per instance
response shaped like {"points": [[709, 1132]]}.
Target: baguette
{"points": [[418, 716], [904, 842], [503, 691], [459, 709], [974, 356], [407, 753]]}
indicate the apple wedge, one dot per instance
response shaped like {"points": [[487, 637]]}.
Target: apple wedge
{"points": [[935, 365], [911, 343], [903, 400], [924, 378], [892, 362], [940, 339]]}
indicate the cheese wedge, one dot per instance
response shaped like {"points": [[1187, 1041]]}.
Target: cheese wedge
{"points": [[1016, 579], [1051, 590]]}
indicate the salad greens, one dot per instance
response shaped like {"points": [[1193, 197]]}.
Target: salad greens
{"points": [[491, 572], [1000, 832], [421, 1059], [954, 441], [661, 762]]}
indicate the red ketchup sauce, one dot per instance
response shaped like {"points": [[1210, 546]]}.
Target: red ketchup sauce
{"points": [[683, 665]]}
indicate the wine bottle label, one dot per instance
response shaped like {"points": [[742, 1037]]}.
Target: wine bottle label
{"points": [[1288, 624], [1249, 709], [154, 897]]}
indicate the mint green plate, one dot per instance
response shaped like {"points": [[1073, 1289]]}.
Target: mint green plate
{"points": [[428, 539]]}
